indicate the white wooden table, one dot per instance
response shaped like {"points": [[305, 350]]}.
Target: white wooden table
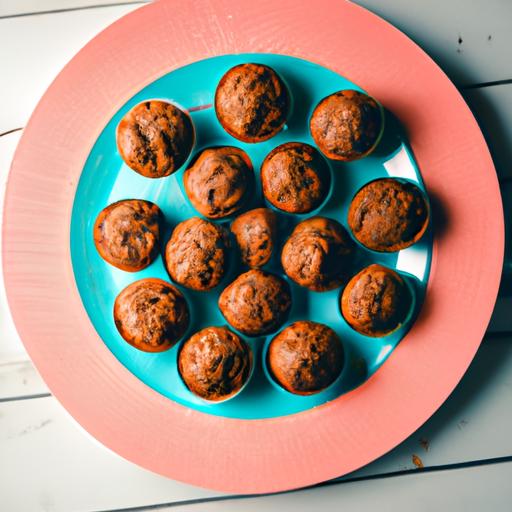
{"points": [[48, 463]]}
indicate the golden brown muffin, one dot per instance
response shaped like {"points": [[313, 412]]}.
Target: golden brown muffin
{"points": [[255, 234], [317, 254], [256, 303], [196, 254], [306, 357], [151, 314], [155, 138], [215, 363], [294, 177], [251, 102], [127, 234], [376, 301], [347, 125], [388, 215], [217, 182]]}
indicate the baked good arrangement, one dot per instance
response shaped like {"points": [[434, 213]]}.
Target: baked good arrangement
{"points": [[260, 242]]}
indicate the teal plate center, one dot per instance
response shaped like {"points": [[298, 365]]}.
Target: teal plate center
{"points": [[106, 178]]}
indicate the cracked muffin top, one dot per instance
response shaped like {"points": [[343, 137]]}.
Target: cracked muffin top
{"points": [[251, 102], [347, 125], [196, 254], [306, 357], [218, 181], [256, 302], [215, 363], [155, 138], [388, 215], [376, 301]]}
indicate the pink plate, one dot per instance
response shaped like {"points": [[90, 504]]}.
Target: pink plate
{"points": [[251, 456]]}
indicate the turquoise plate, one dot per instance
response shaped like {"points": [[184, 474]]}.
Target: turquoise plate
{"points": [[106, 179]]}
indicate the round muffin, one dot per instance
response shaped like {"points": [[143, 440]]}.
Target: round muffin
{"points": [[388, 215], [306, 357], [155, 138], [151, 314], [196, 254], [376, 301], [251, 102], [317, 254], [255, 234], [347, 125], [127, 234], [294, 177], [215, 363], [217, 182], [256, 303]]}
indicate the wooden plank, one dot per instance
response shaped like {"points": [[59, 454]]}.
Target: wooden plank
{"points": [[470, 40], [475, 423], [471, 489], [30, 7], [33, 49], [492, 107]]}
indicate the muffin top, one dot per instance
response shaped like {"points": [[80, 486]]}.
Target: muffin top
{"points": [[256, 302], [127, 233], [217, 182], [151, 314], [317, 254], [214, 363], [155, 138], [255, 233], [388, 215], [347, 125], [306, 357], [196, 254], [376, 301], [294, 177], [251, 102]]}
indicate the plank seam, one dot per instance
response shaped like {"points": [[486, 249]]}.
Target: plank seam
{"points": [[446, 467]]}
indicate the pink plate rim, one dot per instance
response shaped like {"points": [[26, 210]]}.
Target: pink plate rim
{"points": [[251, 456]]}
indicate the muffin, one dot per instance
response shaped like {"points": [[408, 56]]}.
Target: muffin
{"points": [[388, 215], [155, 138], [294, 178], [214, 363], [376, 301], [347, 125], [251, 102], [317, 254], [217, 182], [196, 254], [255, 234], [306, 357], [256, 303], [151, 315], [127, 234]]}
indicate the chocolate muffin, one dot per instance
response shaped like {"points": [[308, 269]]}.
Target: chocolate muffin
{"points": [[376, 301], [317, 254], [151, 315], [155, 138], [255, 234], [347, 125], [388, 215], [196, 254], [215, 363], [217, 182], [306, 357], [251, 102], [294, 177], [256, 303], [127, 233]]}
